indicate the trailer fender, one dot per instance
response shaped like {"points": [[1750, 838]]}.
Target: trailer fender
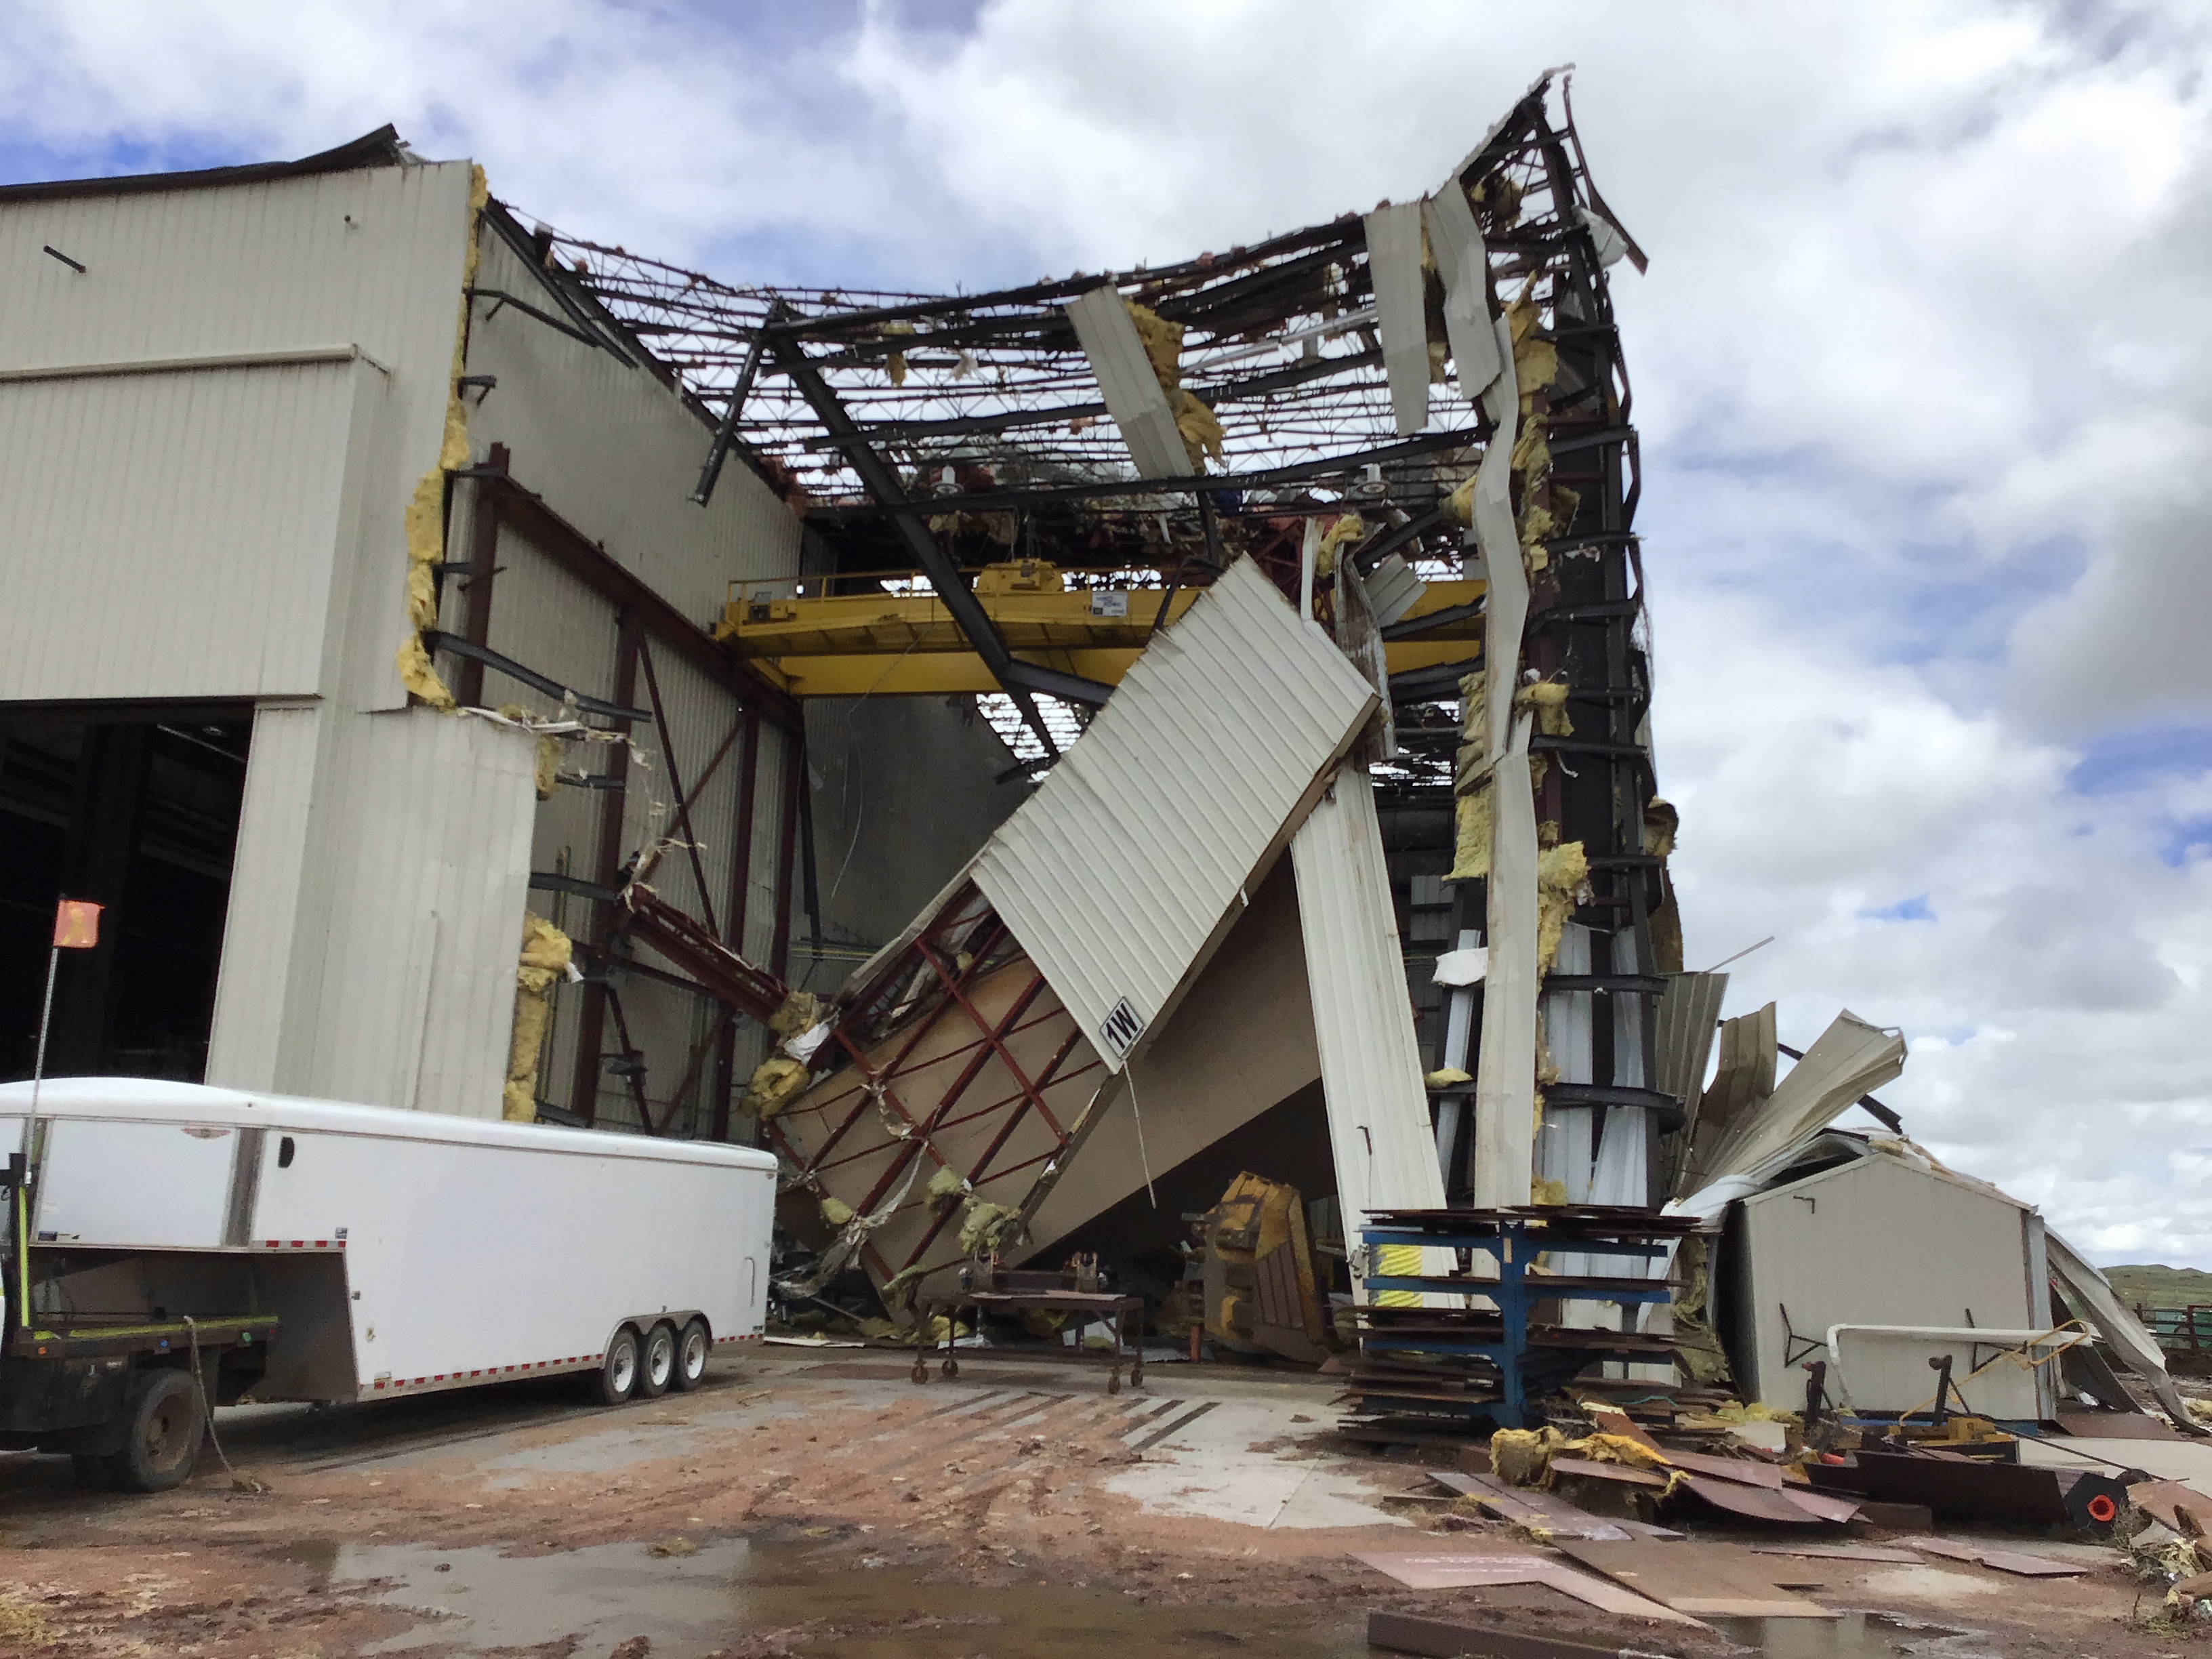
{"points": [[640, 1323]]}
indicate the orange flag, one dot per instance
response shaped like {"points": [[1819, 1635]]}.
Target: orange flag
{"points": [[77, 924]]}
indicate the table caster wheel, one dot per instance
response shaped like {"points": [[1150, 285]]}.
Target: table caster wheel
{"points": [[1114, 1381], [921, 1372], [1137, 1377], [950, 1367]]}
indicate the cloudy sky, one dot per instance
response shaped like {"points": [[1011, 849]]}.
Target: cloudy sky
{"points": [[1921, 367]]}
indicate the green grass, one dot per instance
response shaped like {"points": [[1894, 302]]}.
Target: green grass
{"points": [[2157, 1285]]}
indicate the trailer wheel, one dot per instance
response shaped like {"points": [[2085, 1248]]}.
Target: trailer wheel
{"points": [[618, 1370], [657, 1363], [691, 1350], [161, 1432]]}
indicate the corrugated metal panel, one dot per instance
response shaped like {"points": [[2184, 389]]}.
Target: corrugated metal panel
{"points": [[1456, 241], [1848, 1059], [1371, 1065], [1119, 875], [1393, 259], [427, 863], [370, 257], [263, 944], [616, 451], [1689, 1013], [1128, 384], [175, 534]]}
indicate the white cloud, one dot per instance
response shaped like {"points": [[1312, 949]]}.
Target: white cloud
{"points": [[1919, 365]]}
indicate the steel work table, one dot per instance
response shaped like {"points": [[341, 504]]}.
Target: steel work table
{"points": [[1125, 1313]]}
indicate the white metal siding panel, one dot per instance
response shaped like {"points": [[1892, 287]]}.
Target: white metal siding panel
{"points": [[616, 452], [1119, 874], [1455, 239], [262, 947], [1370, 1062], [173, 534], [1127, 382], [428, 853], [1879, 1243], [767, 834], [1393, 258], [547, 619], [370, 257]]}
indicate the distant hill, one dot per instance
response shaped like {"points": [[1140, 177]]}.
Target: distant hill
{"points": [[2157, 1285]]}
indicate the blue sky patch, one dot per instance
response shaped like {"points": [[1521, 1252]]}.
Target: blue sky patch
{"points": [[1912, 910]]}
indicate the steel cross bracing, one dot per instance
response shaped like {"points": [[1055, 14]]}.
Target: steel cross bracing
{"points": [[919, 1029]]}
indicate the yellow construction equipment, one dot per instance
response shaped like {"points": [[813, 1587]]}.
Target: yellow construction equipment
{"points": [[850, 645], [1261, 1292]]}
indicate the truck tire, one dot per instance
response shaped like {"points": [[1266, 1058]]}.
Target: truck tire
{"points": [[161, 1433], [618, 1370], [657, 1363], [691, 1350]]}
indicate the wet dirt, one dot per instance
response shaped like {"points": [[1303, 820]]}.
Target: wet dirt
{"points": [[733, 1598], [786, 1509], [1857, 1635]]}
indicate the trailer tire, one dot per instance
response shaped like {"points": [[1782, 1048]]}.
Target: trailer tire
{"points": [[618, 1372], [691, 1350], [657, 1361], [163, 1426]]}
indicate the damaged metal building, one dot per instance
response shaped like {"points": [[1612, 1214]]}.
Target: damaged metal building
{"points": [[363, 541], [1028, 757]]}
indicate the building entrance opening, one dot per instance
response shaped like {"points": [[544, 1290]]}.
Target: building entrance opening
{"points": [[135, 809]]}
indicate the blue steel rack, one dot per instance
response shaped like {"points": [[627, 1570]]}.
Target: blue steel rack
{"points": [[1513, 1239]]}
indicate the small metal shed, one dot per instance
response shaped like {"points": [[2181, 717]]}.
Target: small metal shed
{"points": [[1880, 1264]]}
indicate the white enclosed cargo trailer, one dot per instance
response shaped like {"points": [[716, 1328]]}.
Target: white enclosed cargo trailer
{"points": [[329, 1252]]}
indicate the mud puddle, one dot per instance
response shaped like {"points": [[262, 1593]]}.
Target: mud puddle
{"points": [[730, 1596], [1856, 1636]]}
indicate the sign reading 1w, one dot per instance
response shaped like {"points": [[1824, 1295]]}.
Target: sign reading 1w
{"points": [[1122, 1029]]}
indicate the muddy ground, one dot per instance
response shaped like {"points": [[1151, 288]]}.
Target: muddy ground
{"points": [[811, 1503]]}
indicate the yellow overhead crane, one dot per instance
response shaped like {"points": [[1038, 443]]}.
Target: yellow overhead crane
{"points": [[851, 645]]}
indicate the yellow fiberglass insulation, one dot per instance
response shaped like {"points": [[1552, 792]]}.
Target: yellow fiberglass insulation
{"points": [[836, 1212], [544, 959], [1459, 506], [1523, 1457], [802, 1010], [895, 365], [420, 679], [1471, 845], [946, 1187], [1347, 529], [425, 518], [1532, 452], [1548, 698], [1163, 342], [1543, 1191], [1562, 878], [987, 1226], [1444, 1077], [1474, 707], [1200, 427], [1660, 822], [776, 1082]]}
